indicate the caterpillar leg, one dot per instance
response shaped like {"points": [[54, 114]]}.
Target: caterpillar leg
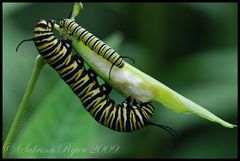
{"points": [[106, 88], [92, 73], [67, 43], [130, 101], [79, 60]]}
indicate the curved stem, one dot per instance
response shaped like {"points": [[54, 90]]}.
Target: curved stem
{"points": [[22, 107]]}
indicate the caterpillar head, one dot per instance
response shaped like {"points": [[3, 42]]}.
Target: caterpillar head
{"points": [[62, 22]]}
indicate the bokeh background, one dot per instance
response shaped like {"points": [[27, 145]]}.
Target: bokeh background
{"points": [[190, 47]]}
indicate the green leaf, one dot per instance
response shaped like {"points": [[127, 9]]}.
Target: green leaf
{"points": [[59, 126]]}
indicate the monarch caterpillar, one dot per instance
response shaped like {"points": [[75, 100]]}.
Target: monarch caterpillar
{"points": [[129, 116], [93, 43]]}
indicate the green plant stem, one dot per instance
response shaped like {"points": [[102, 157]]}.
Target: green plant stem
{"points": [[77, 8], [22, 107], [31, 84]]}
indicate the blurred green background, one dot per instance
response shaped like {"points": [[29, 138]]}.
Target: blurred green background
{"points": [[190, 47]]}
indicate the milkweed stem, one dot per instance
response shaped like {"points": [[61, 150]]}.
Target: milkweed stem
{"points": [[39, 63], [77, 8]]}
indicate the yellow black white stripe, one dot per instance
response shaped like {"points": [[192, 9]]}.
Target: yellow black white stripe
{"points": [[128, 116], [92, 42]]}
